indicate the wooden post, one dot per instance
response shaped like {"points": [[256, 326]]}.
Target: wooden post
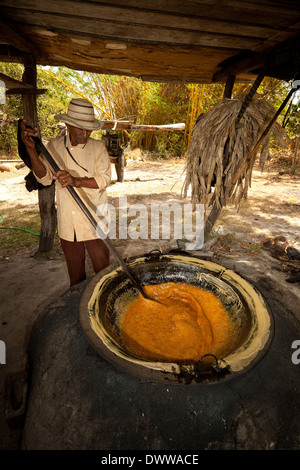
{"points": [[295, 155], [249, 97], [47, 194], [229, 86], [216, 209]]}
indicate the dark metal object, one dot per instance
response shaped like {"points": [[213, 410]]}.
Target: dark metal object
{"points": [[40, 147], [116, 153]]}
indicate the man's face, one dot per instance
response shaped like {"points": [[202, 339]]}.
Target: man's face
{"points": [[78, 136]]}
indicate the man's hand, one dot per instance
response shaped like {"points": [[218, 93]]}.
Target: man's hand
{"points": [[65, 178], [27, 134]]}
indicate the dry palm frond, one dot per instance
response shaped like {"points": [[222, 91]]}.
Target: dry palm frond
{"points": [[218, 151]]}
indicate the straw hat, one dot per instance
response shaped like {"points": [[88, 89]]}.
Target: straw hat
{"points": [[80, 114]]}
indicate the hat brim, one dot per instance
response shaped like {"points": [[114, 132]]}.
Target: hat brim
{"points": [[89, 126]]}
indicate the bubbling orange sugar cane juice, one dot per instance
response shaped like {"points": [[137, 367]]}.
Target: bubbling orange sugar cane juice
{"points": [[186, 323]]}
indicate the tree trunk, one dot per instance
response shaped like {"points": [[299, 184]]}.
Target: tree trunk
{"points": [[47, 194], [295, 155], [216, 209], [48, 217]]}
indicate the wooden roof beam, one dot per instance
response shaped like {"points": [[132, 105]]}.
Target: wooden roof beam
{"points": [[9, 34], [15, 87], [11, 83], [26, 91], [254, 62], [240, 65], [11, 54]]}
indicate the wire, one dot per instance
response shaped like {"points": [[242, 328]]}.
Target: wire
{"points": [[18, 228]]}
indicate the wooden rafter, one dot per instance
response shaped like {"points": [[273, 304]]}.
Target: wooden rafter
{"points": [[9, 34], [12, 83], [255, 61], [15, 87]]}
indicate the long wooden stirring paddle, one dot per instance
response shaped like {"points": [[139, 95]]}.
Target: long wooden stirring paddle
{"points": [[41, 148]]}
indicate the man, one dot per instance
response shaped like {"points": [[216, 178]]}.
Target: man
{"points": [[84, 164]]}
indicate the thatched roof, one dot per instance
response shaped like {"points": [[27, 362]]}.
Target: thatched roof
{"points": [[218, 151]]}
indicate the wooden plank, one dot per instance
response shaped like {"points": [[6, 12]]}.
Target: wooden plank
{"points": [[11, 54], [158, 63], [214, 9], [116, 125], [11, 83], [25, 91], [267, 6], [152, 127], [196, 78], [165, 63], [16, 87], [278, 14], [131, 32], [240, 65], [189, 7], [279, 55], [126, 125], [10, 35], [229, 86], [110, 13]]}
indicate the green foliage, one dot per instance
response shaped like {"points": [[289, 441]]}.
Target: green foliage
{"points": [[275, 91], [128, 98], [292, 121], [10, 111], [162, 104], [55, 99]]}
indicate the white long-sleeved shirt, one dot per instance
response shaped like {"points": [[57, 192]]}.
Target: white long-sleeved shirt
{"points": [[93, 156]]}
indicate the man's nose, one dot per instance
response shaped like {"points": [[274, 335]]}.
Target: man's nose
{"points": [[84, 134]]}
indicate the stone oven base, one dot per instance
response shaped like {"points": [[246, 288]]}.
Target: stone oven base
{"points": [[79, 400]]}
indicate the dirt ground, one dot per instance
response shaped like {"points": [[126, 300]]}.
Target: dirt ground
{"points": [[29, 282]]}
